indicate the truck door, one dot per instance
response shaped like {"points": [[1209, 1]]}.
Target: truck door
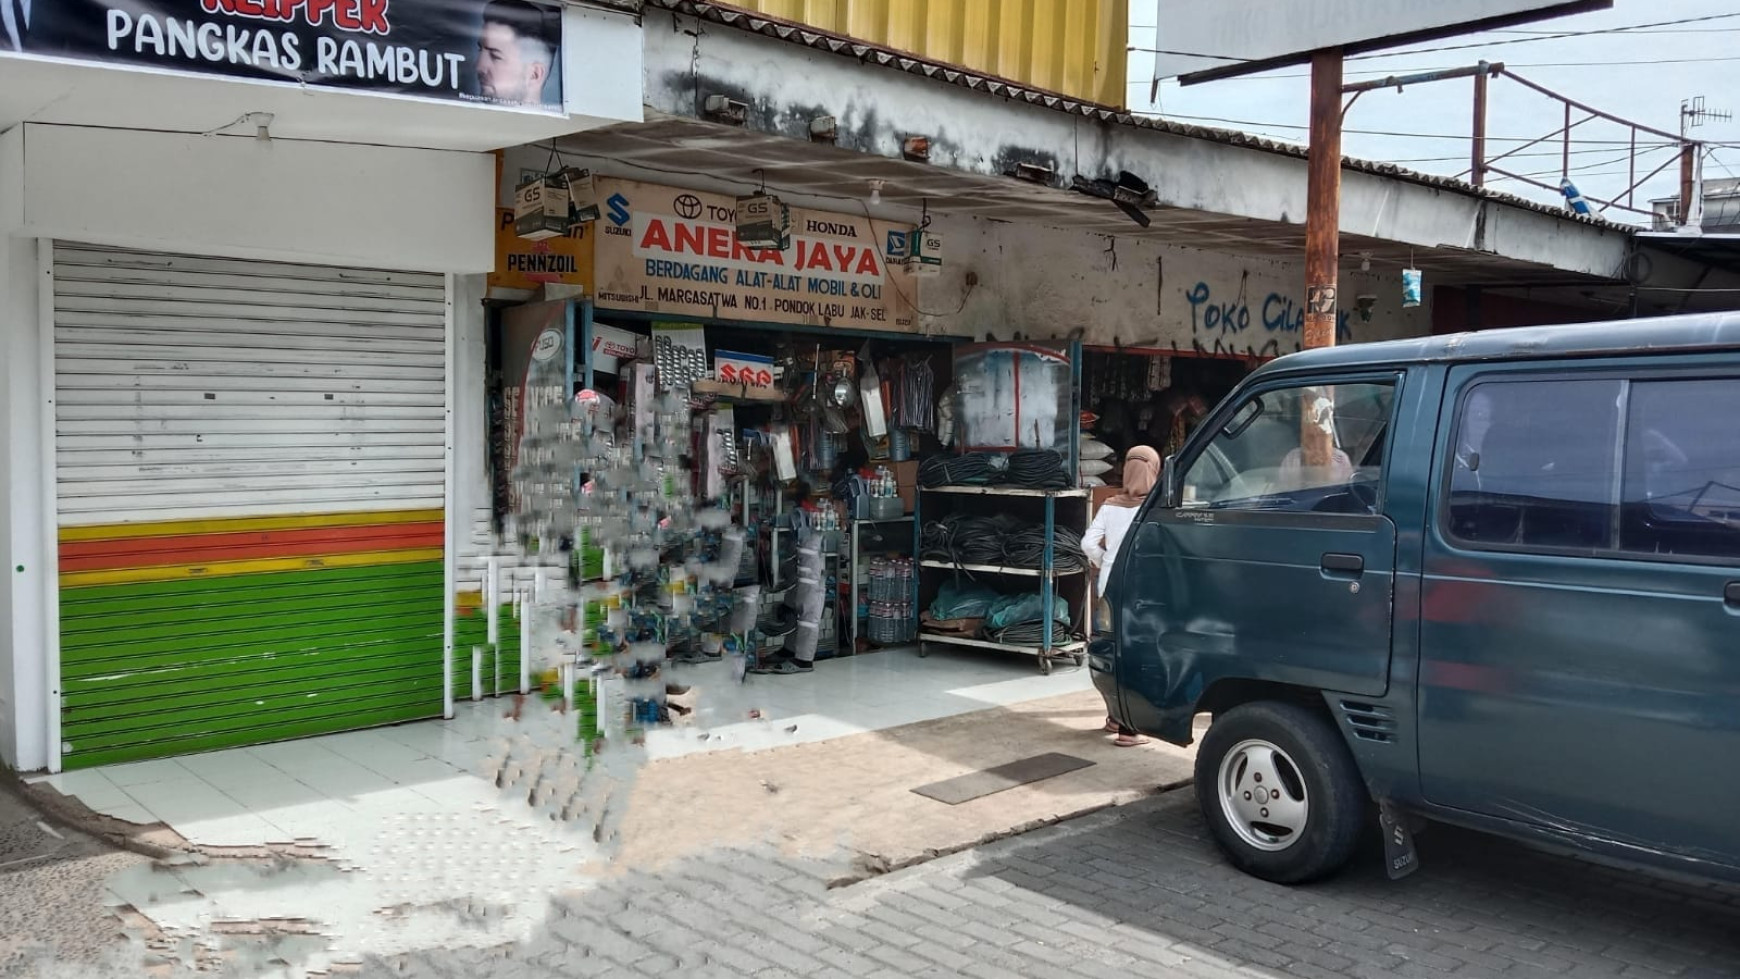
{"points": [[1271, 566]]}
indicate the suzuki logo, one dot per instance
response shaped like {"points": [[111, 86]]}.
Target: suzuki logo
{"points": [[618, 210]]}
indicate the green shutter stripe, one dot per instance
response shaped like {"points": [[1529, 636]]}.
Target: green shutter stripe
{"points": [[471, 630], [161, 668]]}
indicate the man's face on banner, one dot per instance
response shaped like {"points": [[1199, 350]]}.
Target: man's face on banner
{"points": [[510, 68]]}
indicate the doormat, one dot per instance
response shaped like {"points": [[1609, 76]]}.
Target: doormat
{"points": [[977, 785]]}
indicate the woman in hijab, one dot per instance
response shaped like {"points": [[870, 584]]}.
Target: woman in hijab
{"points": [[1111, 524]]}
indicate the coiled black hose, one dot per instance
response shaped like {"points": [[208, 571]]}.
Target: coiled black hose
{"points": [[1026, 549], [999, 540], [1031, 633], [1038, 469], [972, 469]]}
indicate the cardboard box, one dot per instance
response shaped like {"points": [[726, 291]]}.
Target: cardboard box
{"points": [[906, 480], [763, 221], [541, 208], [582, 195]]}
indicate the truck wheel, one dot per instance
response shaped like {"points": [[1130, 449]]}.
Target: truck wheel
{"points": [[1280, 792]]}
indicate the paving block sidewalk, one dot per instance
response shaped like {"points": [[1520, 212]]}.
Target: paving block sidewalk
{"points": [[849, 800], [1134, 891]]}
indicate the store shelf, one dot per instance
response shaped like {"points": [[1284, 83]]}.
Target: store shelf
{"points": [[1062, 494], [992, 568], [875, 520], [1057, 649]]}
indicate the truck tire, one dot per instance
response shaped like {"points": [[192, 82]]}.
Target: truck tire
{"points": [[1280, 792]]}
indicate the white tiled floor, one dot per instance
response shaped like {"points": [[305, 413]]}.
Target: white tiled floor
{"points": [[410, 819], [853, 695]]}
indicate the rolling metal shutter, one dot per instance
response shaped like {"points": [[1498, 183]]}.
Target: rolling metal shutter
{"points": [[250, 476]]}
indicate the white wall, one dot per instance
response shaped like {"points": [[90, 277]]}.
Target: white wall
{"points": [[470, 403], [1045, 283], [23, 678], [601, 66], [286, 200]]}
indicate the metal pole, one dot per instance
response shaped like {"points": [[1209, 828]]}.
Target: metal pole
{"points": [[1565, 164], [1631, 171], [1323, 200], [1686, 152], [1478, 150]]}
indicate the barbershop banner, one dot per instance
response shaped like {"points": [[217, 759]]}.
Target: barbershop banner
{"points": [[675, 252], [491, 52]]}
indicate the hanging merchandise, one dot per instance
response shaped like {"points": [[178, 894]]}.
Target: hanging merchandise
{"points": [[918, 395], [541, 207], [763, 221], [1159, 374], [870, 394], [553, 204], [945, 417], [680, 352], [1412, 281], [784, 453], [925, 252]]}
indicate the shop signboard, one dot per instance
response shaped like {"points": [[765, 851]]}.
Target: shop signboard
{"points": [[753, 371], [505, 53], [523, 264], [675, 252]]}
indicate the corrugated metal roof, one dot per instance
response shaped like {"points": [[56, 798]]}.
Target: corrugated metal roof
{"points": [[872, 54]]}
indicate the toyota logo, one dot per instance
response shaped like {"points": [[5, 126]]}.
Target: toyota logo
{"points": [[688, 206]]}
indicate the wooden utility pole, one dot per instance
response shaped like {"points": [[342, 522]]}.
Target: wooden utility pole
{"points": [[1323, 200], [1322, 239]]}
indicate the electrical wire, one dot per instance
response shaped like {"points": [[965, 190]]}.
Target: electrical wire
{"points": [[1546, 37], [1384, 132], [1464, 47]]}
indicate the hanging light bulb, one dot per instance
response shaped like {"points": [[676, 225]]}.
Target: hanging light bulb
{"points": [[875, 192]]}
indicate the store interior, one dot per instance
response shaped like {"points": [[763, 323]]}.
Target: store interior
{"points": [[890, 494]]}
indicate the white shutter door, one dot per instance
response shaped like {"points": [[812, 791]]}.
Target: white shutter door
{"points": [[250, 476]]}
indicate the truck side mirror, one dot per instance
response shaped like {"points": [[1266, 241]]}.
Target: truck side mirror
{"points": [[1169, 482]]}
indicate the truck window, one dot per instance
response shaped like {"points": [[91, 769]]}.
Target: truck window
{"points": [[1256, 459], [1682, 469], [1533, 464]]}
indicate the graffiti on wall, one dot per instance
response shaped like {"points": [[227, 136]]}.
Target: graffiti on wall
{"points": [[1222, 317]]}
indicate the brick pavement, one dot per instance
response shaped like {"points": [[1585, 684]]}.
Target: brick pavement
{"points": [[1136, 891]]}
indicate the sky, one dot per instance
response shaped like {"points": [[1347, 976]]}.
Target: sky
{"points": [[1641, 75]]}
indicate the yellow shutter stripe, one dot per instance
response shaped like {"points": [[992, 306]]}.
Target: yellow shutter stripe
{"points": [[220, 569], [228, 525]]}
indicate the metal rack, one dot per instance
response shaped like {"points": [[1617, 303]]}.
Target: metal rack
{"points": [[857, 580], [1049, 648]]}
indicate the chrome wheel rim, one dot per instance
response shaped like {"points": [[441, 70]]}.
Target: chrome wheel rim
{"points": [[1263, 795]]}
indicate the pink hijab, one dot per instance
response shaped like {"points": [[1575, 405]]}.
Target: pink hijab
{"points": [[1141, 472]]}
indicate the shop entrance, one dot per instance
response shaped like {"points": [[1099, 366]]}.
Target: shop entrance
{"points": [[250, 485]]}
